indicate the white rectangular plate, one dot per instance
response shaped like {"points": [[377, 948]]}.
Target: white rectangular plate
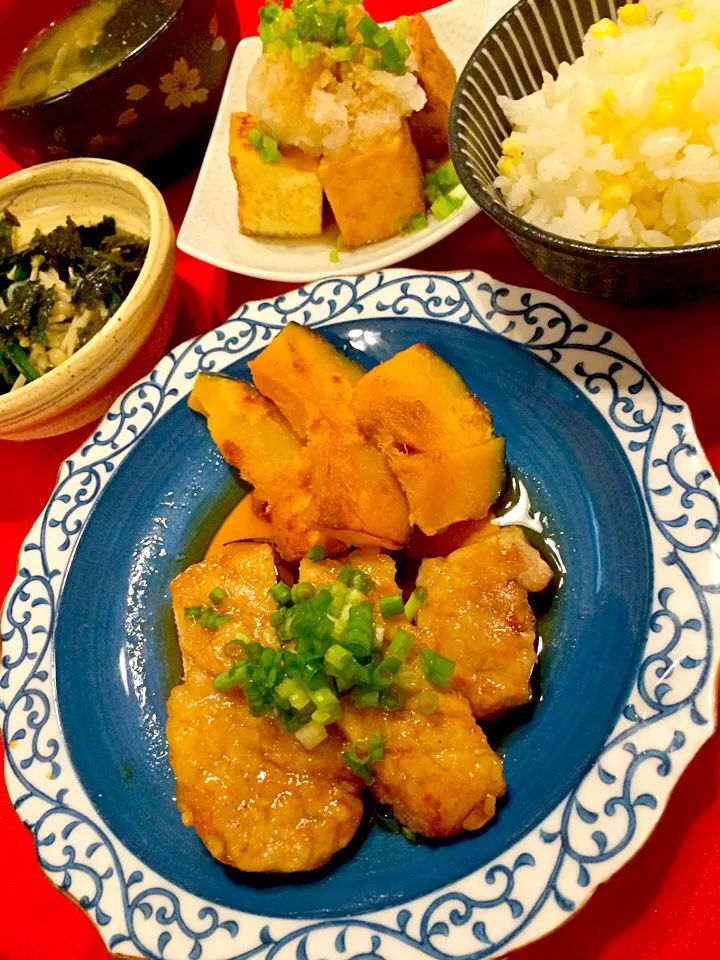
{"points": [[210, 229]]}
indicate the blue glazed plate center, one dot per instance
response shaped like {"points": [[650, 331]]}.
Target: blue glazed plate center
{"points": [[117, 658]]}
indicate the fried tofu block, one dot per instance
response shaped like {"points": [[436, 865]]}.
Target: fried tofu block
{"points": [[254, 436], [279, 199], [477, 614], [373, 193], [429, 126], [439, 773], [257, 798], [436, 436]]}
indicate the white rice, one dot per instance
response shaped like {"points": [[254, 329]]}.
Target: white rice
{"points": [[623, 148]]}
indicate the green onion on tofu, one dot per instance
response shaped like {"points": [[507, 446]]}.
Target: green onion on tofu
{"points": [[329, 647], [415, 601], [438, 670], [361, 756]]}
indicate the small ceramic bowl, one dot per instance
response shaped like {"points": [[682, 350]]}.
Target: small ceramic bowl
{"points": [[161, 97], [133, 340], [533, 37]]}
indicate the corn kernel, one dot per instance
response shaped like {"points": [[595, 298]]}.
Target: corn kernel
{"points": [[616, 195], [605, 219], [511, 148], [609, 99], [682, 13], [506, 166], [632, 14], [604, 28], [648, 212], [692, 79]]}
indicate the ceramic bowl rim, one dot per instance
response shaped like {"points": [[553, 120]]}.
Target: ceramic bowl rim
{"points": [[86, 84], [515, 225], [113, 172]]}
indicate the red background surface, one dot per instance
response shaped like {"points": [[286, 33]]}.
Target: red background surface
{"points": [[665, 905]]}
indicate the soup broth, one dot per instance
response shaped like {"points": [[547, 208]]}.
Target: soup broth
{"points": [[91, 39]]}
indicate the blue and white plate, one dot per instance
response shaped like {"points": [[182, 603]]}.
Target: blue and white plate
{"points": [[629, 666]]}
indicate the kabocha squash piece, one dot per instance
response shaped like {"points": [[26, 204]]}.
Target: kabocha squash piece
{"points": [[436, 436], [282, 198], [373, 193], [429, 126], [254, 437], [417, 400], [247, 428], [448, 486], [308, 379], [355, 496]]}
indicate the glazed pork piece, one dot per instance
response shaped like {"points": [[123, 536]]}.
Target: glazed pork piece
{"points": [[438, 773], [477, 614], [257, 798]]}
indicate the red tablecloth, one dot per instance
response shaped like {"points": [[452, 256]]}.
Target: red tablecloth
{"points": [[665, 905]]}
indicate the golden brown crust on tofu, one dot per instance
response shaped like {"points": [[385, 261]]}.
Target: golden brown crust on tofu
{"points": [[280, 199], [429, 126], [374, 192]]}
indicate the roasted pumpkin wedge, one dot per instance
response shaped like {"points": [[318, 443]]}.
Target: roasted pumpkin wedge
{"points": [[436, 435]]}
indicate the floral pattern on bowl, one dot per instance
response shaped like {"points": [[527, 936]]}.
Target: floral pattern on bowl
{"points": [[121, 114]]}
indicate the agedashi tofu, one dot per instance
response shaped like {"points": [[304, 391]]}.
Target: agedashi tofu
{"points": [[282, 198], [307, 378], [373, 193], [429, 126], [437, 437]]}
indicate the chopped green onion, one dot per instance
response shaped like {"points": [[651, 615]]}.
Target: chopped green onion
{"points": [[311, 734], [217, 595], [443, 206], [392, 699], [316, 553], [236, 647], [401, 644], [234, 677], [292, 689], [391, 606], [338, 659], [368, 28], [416, 599], [360, 755], [410, 681], [277, 617], [211, 620], [193, 613], [302, 591], [438, 670], [281, 593], [334, 256], [365, 699], [384, 673], [427, 702]]}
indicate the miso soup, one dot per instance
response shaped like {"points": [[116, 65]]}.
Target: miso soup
{"points": [[91, 39]]}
